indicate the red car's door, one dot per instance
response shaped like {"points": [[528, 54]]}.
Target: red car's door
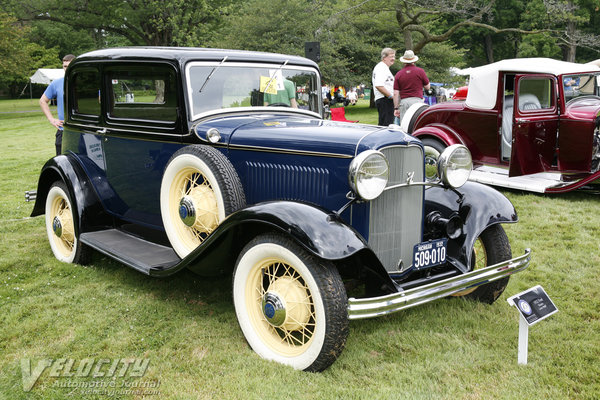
{"points": [[535, 124]]}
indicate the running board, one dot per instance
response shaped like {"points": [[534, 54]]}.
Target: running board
{"points": [[495, 176], [146, 257]]}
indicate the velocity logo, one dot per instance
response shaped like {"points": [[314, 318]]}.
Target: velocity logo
{"points": [[88, 367]]}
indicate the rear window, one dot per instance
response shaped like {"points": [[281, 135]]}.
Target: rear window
{"points": [[85, 93]]}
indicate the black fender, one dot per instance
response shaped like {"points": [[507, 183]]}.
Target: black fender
{"points": [[88, 209], [478, 206], [319, 231]]}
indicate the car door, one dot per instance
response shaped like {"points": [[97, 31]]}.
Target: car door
{"points": [[141, 133], [535, 124]]}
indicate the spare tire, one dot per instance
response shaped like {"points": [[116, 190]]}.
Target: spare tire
{"points": [[410, 117]]}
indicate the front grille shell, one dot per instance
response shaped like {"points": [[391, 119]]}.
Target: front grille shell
{"points": [[396, 217]]}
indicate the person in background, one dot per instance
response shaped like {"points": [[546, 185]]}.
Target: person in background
{"points": [[383, 87], [409, 83], [352, 96], [56, 91], [287, 96]]}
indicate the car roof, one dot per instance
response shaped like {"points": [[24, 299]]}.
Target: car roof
{"points": [[185, 54], [483, 81]]}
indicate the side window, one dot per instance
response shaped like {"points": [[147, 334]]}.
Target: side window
{"points": [[85, 93], [535, 94], [147, 93]]}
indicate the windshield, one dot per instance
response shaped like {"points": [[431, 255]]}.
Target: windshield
{"points": [[581, 85], [218, 86]]}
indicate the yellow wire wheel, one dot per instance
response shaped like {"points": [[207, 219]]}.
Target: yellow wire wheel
{"points": [[60, 226], [198, 190], [491, 247], [479, 261], [284, 307]]}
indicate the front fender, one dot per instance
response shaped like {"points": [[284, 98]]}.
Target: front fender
{"points": [[481, 207], [320, 232], [88, 209]]}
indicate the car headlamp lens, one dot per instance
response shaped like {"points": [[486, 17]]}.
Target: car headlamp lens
{"points": [[368, 175], [455, 165]]}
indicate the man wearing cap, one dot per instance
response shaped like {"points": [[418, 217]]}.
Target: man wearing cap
{"points": [[409, 83], [383, 87]]}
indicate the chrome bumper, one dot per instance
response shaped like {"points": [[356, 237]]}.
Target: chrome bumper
{"points": [[382, 305]]}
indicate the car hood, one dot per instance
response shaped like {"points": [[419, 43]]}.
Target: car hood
{"points": [[305, 134]]}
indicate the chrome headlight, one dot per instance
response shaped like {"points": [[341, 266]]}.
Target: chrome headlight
{"points": [[368, 174], [455, 165]]}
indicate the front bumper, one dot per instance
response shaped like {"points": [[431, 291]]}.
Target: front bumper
{"points": [[382, 305]]}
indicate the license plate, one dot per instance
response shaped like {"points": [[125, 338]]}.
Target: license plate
{"points": [[429, 254]]}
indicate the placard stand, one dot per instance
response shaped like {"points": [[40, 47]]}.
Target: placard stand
{"points": [[523, 339], [534, 305]]}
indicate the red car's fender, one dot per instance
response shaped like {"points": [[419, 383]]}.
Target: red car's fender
{"points": [[440, 132]]}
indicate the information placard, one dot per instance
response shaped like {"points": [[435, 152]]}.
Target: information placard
{"points": [[533, 304]]}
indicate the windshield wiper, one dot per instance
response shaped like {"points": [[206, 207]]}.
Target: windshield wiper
{"points": [[211, 74]]}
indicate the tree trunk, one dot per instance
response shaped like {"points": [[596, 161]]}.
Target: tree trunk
{"points": [[489, 48], [571, 48]]}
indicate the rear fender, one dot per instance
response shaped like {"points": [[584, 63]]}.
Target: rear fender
{"points": [[88, 209], [481, 207], [440, 132]]}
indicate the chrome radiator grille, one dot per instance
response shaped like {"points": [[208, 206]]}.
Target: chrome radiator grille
{"points": [[395, 219]]}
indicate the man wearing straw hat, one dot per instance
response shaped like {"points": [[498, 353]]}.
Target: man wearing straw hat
{"points": [[409, 83]]}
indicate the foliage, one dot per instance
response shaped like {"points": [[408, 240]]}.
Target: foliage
{"points": [[351, 32], [13, 55], [19, 57], [284, 26], [66, 39], [141, 22]]}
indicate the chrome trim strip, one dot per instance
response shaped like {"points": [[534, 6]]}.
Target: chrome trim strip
{"points": [[111, 129], [382, 305], [288, 151]]}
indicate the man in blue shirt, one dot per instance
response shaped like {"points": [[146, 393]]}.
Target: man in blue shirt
{"points": [[56, 91]]}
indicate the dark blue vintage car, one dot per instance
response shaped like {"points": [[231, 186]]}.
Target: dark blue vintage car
{"points": [[220, 161]]}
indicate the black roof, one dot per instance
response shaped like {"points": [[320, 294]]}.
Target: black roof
{"points": [[185, 54]]}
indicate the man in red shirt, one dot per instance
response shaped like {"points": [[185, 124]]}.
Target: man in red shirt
{"points": [[409, 83]]}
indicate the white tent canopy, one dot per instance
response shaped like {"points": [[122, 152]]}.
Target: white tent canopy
{"points": [[46, 75]]}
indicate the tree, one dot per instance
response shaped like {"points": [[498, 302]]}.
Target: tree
{"points": [[20, 58], [285, 26], [571, 19], [141, 22]]}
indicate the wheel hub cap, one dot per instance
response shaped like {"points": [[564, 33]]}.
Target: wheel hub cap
{"points": [[285, 305], [274, 309], [187, 212], [57, 226], [198, 209]]}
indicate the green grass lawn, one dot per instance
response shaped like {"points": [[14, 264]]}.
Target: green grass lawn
{"points": [[186, 327]]}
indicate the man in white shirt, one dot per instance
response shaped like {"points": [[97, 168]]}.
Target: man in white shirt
{"points": [[383, 87]]}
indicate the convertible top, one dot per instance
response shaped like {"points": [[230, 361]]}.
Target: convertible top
{"points": [[483, 82]]}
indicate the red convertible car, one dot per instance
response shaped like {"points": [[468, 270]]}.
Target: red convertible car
{"points": [[530, 124]]}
